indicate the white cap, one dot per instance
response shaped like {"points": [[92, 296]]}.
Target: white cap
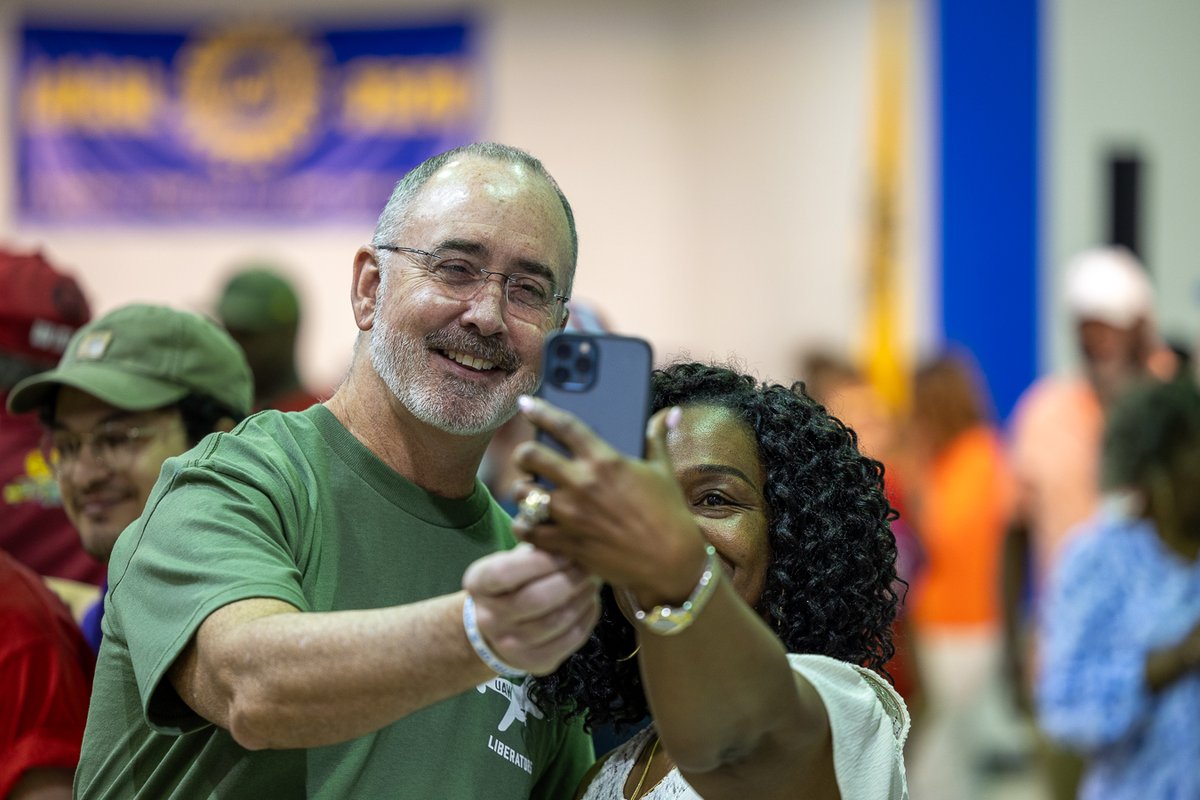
{"points": [[1109, 285]]}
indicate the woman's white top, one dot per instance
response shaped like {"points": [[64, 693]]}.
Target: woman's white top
{"points": [[868, 720]]}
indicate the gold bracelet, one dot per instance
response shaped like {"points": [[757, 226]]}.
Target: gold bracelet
{"points": [[667, 620]]}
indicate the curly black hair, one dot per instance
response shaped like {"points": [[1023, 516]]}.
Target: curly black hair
{"points": [[830, 584]]}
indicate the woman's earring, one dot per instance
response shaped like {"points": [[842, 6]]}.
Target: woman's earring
{"points": [[631, 655]]}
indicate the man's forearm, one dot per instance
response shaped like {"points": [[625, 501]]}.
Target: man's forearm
{"points": [[277, 678]]}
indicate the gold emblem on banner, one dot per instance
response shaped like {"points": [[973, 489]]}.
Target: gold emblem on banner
{"points": [[250, 95]]}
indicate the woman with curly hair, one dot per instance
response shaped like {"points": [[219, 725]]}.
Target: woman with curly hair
{"points": [[758, 535]]}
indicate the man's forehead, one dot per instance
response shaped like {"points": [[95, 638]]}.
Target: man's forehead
{"points": [[482, 193], [73, 405], [498, 180]]}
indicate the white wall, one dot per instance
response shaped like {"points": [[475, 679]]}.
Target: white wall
{"points": [[715, 154], [1123, 74]]}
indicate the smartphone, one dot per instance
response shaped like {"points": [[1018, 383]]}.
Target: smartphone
{"points": [[603, 379]]}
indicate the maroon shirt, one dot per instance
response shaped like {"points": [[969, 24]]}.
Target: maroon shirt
{"points": [[46, 672]]}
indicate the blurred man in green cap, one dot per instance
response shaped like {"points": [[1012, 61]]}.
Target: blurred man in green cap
{"points": [[261, 311], [132, 389]]}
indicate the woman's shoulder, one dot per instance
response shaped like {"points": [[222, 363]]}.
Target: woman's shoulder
{"points": [[868, 721], [848, 689]]}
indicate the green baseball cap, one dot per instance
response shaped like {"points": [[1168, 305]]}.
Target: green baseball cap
{"points": [[140, 357], [258, 300]]}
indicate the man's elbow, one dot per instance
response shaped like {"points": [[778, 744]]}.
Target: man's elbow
{"points": [[275, 715], [255, 721]]}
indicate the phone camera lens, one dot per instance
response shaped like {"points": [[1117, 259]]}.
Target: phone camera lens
{"points": [[561, 375], [563, 350], [583, 364]]}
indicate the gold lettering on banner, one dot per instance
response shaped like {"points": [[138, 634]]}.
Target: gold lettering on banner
{"points": [[252, 95], [403, 95], [94, 95]]}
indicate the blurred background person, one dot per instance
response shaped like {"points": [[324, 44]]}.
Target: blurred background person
{"points": [[45, 684], [959, 498], [261, 310], [834, 382], [135, 387], [1120, 669], [1055, 436], [40, 308]]}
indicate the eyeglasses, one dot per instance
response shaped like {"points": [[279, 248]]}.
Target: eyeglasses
{"points": [[113, 445], [530, 297]]}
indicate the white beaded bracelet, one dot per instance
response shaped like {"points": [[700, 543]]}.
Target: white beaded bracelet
{"points": [[480, 645]]}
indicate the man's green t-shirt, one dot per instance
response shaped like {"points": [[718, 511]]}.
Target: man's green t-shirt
{"points": [[293, 507]]}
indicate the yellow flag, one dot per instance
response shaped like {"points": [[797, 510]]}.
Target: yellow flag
{"points": [[886, 363]]}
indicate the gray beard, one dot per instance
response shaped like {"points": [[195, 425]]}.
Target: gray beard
{"points": [[450, 405]]}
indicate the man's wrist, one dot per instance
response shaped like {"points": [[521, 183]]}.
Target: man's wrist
{"points": [[481, 647]]}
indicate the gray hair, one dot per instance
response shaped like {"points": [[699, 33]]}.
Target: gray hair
{"points": [[406, 189]]}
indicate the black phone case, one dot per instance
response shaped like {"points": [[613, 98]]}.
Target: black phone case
{"points": [[616, 405]]}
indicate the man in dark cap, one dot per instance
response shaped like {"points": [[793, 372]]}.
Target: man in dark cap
{"points": [[260, 309]]}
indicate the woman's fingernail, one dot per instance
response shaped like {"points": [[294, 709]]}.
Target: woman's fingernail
{"points": [[673, 417], [525, 402]]}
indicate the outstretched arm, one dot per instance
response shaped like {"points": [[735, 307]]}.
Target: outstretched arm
{"points": [[279, 678], [1169, 664]]}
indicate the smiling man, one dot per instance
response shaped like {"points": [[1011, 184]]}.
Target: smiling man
{"points": [[286, 618], [133, 388]]}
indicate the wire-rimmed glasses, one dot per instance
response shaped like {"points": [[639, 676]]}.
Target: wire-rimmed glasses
{"points": [[112, 444], [531, 298]]}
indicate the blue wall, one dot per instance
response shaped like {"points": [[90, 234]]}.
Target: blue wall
{"points": [[988, 215]]}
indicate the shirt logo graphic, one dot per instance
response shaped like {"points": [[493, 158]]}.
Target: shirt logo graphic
{"points": [[519, 704]]}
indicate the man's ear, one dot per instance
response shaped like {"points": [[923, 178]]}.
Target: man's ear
{"points": [[364, 288]]}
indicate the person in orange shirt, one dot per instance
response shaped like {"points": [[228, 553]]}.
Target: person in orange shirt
{"points": [[960, 500]]}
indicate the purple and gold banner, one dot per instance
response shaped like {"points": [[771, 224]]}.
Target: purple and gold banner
{"points": [[250, 124]]}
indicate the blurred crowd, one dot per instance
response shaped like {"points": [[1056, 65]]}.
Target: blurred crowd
{"points": [[1024, 644]]}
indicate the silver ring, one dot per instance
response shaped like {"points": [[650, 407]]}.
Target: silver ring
{"points": [[534, 509]]}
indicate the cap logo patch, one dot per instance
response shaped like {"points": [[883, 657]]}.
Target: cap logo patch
{"points": [[93, 345]]}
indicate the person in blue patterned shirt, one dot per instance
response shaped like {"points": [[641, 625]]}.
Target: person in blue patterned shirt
{"points": [[1120, 677]]}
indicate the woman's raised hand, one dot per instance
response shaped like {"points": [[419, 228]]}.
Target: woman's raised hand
{"points": [[623, 519]]}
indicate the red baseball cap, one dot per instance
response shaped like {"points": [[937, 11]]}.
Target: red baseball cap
{"points": [[40, 307]]}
